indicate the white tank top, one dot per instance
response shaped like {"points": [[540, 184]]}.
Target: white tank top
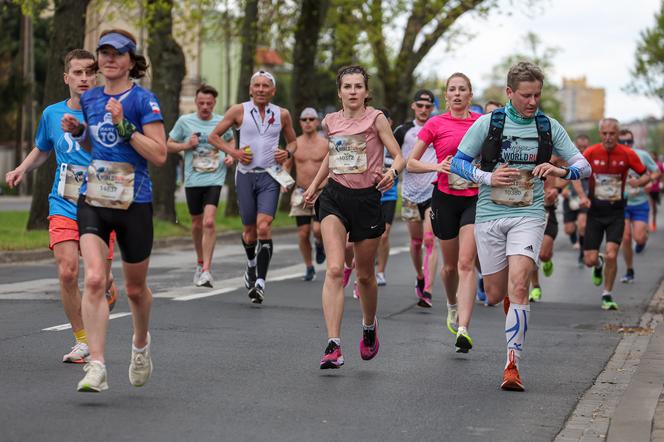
{"points": [[262, 136]]}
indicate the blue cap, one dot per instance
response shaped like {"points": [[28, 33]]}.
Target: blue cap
{"points": [[121, 43]]}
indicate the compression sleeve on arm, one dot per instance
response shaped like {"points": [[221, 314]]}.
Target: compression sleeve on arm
{"points": [[462, 165], [578, 167]]}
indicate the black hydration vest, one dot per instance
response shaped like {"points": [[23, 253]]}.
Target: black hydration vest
{"points": [[491, 148]]}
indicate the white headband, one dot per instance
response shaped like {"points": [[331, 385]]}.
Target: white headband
{"points": [[265, 74]]}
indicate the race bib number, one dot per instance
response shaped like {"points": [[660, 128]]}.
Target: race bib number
{"points": [[608, 187], [517, 194], [71, 178], [297, 204], [280, 176], [455, 182], [348, 153], [110, 184], [205, 160], [409, 211]]}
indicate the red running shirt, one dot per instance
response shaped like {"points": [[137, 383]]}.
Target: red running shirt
{"points": [[609, 172]]}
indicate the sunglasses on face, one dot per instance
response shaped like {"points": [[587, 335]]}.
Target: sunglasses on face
{"points": [[422, 105], [307, 120], [626, 142]]}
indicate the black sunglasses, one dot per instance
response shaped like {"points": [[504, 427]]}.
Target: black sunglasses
{"points": [[626, 142], [307, 119], [422, 105]]}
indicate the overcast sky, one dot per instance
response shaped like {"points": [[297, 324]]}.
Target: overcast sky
{"points": [[597, 38]]}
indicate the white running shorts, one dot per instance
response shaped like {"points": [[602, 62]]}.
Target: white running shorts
{"points": [[499, 238]]}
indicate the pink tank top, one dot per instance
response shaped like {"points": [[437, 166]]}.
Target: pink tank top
{"points": [[445, 133], [356, 150]]}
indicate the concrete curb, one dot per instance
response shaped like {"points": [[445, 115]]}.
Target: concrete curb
{"points": [[163, 243], [599, 406]]}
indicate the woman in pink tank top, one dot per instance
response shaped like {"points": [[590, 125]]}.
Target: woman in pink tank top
{"points": [[452, 205], [349, 205]]}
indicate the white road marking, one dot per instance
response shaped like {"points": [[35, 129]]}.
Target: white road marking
{"points": [[67, 326]]}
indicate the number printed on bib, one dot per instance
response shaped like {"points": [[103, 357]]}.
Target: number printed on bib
{"points": [[71, 178], [110, 184], [409, 211], [608, 187], [455, 182], [348, 153], [205, 160], [517, 194]]}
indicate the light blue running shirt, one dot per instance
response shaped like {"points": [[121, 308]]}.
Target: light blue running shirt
{"points": [[182, 131], [636, 196], [67, 151], [519, 143]]}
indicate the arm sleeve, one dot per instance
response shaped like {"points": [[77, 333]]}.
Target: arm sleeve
{"points": [[42, 141], [462, 165], [578, 167], [150, 110]]}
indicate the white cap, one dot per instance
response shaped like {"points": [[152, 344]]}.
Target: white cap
{"points": [[309, 112], [265, 74]]}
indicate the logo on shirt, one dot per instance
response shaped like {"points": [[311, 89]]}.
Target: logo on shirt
{"points": [[71, 143], [105, 132], [155, 107]]}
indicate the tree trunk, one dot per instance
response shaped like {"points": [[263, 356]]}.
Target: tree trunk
{"points": [[68, 34], [168, 71], [249, 37], [307, 32]]}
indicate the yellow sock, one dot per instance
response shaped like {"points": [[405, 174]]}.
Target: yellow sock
{"points": [[81, 336]]}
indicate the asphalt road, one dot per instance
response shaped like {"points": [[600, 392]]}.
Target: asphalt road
{"points": [[229, 370]]}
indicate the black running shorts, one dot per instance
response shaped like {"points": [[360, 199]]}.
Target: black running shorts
{"points": [[133, 227], [389, 208], [451, 212], [611, 221], [199, 197], [358, 209]]}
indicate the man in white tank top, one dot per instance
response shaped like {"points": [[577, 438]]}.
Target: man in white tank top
{"points": [[260, 123]]}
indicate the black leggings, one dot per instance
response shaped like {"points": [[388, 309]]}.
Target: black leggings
{"points": [[133, 227]]}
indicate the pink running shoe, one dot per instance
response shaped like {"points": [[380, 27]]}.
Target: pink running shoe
{"points": [[356, 291], [332, 358], [369, 344], [347, 273]]}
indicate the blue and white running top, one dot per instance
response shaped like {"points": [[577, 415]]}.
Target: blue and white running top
{"points": [[68, 155], [140, 106]]}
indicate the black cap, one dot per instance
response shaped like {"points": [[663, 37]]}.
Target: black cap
{"points": [[424, 95]]}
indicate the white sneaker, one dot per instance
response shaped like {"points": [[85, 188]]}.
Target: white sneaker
{"points": [[78, 355], [205, 280], [140, 367], [197, 273], [380, 279], [95, 378]]}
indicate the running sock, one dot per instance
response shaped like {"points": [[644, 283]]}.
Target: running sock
{"points": [[573, 237], [81, 337], [200, 262], [516, 325], [263, 257], [428, 250], [451, 306], [250, 250], [138, 350], [420, 284], [605, 292], [369, 327], [260, 282], [335, 340], [462, 329]]}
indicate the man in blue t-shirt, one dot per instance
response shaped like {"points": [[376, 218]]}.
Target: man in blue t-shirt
{"points": [[72, 161], [204, 175]]}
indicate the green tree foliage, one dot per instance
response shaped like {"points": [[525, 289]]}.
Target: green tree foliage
{"points": [[542, 57], [648, 70]]}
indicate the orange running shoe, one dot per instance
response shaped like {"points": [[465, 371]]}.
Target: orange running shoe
{"points": [[111, 296], [511, 378], [506, 304]]}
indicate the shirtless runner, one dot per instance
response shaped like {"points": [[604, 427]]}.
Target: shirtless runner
{"points": [[309, 155]]}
